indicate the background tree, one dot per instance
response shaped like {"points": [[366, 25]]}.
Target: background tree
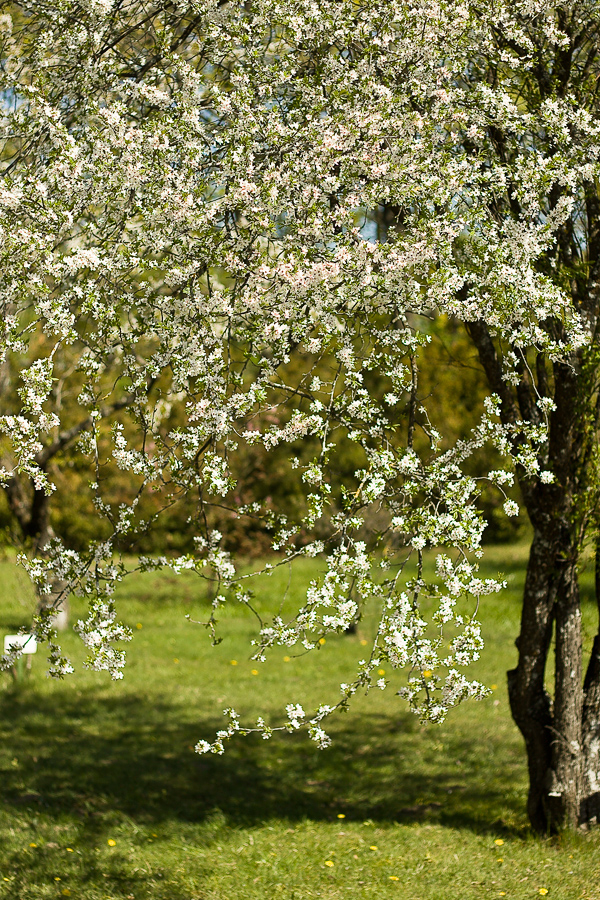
{"points": [[189, 192]]}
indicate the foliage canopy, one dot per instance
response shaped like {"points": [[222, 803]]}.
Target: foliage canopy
{"points": [[228, 225]]}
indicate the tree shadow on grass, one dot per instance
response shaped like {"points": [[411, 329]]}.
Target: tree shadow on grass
{"points": [[97, 758]]}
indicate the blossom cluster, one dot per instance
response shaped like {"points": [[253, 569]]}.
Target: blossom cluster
{"points": [[194, 262]]}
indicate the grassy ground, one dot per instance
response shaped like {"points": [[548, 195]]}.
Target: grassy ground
{"points": [[103, 798]]}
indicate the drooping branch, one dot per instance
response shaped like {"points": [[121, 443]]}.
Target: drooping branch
{"points": [[32, 508], [66, 437]]}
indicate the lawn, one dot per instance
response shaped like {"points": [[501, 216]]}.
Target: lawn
{"points": [[103, 797]]}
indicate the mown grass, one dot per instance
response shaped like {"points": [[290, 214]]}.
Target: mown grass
{"points": [[103, 797]]}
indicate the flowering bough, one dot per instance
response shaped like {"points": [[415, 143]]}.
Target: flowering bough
{"points": [[192, 266]]}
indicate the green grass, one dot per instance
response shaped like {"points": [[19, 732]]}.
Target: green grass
{"points": [[103, 798]]}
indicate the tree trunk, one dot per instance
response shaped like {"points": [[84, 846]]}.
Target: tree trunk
{"points": [[57, 600], [32, 511], [562, 731], [567, 762], [590, 808], [562, 735], [530, 703]]}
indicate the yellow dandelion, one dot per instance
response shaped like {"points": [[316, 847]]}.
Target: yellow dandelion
{"points": [[139, 626], [499, 859], [543, 891], [341, 815], [363, 643], [6, 879], [234, 662], [329, 863], [111, 843], [56, 878], [372, 847], [394, 878], [322, 641], [286, 658], [175, 660], [427, 673], [66, 892], [381, 671], [33, 845], [498, 842], [254, 672], [503, 893], [154, 835], [494, 687], [70, 850]]}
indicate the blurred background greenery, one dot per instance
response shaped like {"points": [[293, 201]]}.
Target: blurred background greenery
{"points": [[451, 384]]}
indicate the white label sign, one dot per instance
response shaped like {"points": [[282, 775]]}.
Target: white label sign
{"points": [[26, 641]]}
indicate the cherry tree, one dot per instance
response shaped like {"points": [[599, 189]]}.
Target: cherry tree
{"points": [[190, 267]]}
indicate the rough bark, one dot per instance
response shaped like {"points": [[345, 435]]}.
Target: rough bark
{"points": [[565, 796], [530, 703], [590, 809]]}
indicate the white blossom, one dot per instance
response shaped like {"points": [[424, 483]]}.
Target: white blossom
{"points": [[191, 271]]}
